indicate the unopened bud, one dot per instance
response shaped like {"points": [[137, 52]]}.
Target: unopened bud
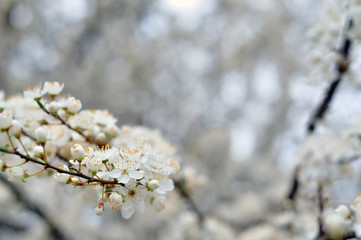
{"points": [[343, 211], [101, 137], [53, 107], [15, 128], [41, 134], [153, 184], [38, 151], [99, 209], [77, 151]]}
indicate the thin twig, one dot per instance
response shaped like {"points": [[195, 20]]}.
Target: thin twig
{"points": [[62, 120], [321, 207], [59, 170], [341, 68]]}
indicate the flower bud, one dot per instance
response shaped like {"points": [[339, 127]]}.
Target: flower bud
{"points": [[153, 184], [335, 226], [73, 105], [112, 131], [343, 211], [15, 128], [77, 151], [53, 107], [6, 118], [38, 151], [16, 174], [101, 137], [159, 203], [41, 134], [99, 209]]}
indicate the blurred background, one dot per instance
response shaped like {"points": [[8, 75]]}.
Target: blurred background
{"points": [[226, 81]]}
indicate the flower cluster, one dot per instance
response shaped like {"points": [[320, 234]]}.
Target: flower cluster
{"points": [[129, 166]]}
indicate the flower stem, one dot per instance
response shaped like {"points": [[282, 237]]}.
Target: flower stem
{"points": [[11, 141], [22, 144]]}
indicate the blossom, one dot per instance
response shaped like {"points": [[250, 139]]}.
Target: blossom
{"points": [[99, 209], [73, 105], [53, 88], [15, 174], [127, 166], [156, 167], [115, 200], [93, 163], [38, 151], [153, 184], [53, 107], [15, 128], [77, 151], [6, 118], [133, 199], [159, 203], [35, 92], [41, 134], [62, 177]]}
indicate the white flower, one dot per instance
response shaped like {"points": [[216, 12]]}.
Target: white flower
{"points": [[156, 167], [115, 200], [41, 134], [73, 105], [335, 225], [62, 177], [101, 137], [77, 151], [15, 128], [343, 211], [6, 118], [93, 163], [35, 92], [99, 209], [84, 119], [16, 174], [53, 107], [53, 88], [127, 166], [133, 199], [159, 203]]}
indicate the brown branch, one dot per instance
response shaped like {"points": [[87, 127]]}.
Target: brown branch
{"points": [[341, 68], [62, 120], [59, 170], [321, 207]]}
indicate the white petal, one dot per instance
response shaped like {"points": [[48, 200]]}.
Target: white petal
{"points": [[165, 186], [115, 173], [127, 211], [124, 178], [136, 174]]}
